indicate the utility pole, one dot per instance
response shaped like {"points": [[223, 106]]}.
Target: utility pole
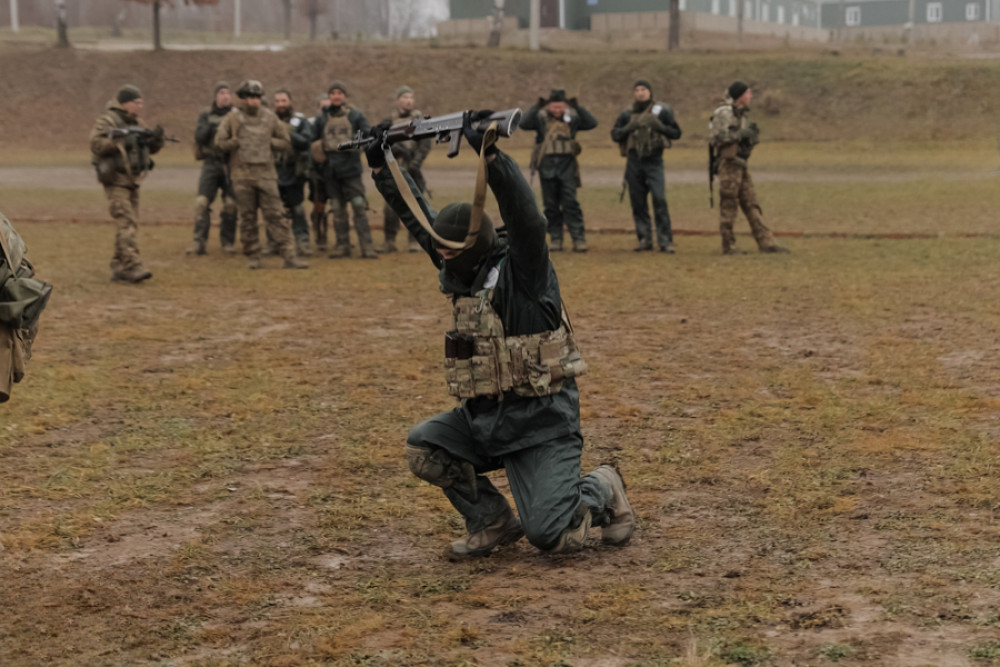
{"points": [[237, 18], [740, 5], [534, 23], [674, 33], [15, 24], [908, 32]]}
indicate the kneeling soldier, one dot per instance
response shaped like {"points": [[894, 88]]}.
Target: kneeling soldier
{"points": [[512, 361]]}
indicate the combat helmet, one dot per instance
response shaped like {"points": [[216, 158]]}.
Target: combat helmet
{"points": [[250, 88]]}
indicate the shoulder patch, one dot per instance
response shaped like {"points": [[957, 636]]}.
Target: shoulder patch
{"points": [[657, 108]]}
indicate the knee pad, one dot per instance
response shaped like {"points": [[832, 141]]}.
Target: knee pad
{"points": [[200, 206], [438, 467], [359, 204]]}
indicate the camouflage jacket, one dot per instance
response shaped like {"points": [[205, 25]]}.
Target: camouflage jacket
{"points": [[251, 140], [410, 154], [730, 133], [122, 160]]}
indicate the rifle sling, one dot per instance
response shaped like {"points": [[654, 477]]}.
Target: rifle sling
{"points": [[479, 198]]}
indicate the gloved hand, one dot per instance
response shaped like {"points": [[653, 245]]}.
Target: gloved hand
{"points": [[158, 133], [573, 103], [542, 103], [375, 154], [475, 136]]}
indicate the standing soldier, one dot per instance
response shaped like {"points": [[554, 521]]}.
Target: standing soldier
{"points": [[554, 158], [317, 183], [732, 140], [410, 155], [213, 176], [293, 167], [642, 132], [338, 123], [121, 147], [251, 135]]}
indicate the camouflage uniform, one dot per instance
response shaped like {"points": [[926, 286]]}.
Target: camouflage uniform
{"points": [[342, 174], [293, 168], [733, 139], [121, 164], [317, 194], [251, 140], [213, 180], [555, 158], [410, 155], [643, 132]]}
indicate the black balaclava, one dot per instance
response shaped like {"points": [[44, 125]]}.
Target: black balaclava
{"points": [[452, 223]]}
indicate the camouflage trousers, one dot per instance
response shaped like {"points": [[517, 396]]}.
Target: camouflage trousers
{"points": [[263, 194], [123, 204], [736, 192]]}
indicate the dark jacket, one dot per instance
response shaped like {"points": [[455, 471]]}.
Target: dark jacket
{"points": [[667, 127], [341, 164], [293, 166], [204, 132], [579, 120]]}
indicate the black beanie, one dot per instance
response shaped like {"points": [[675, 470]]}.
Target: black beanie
{"points": [[644, 84], [128, 93], [452, 223], [557, 95], [737, 89], [337, 85]]}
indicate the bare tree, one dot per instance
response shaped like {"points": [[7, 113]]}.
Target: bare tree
{"points": [[157, 4], [62, 27], [496, 24], [287, 7], [312, 9], [674, 36]]}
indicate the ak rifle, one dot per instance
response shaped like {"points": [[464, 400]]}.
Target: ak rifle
{"points": [[443, 129]]}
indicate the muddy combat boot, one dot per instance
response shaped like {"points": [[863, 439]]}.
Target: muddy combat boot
{"points": [[774, 248], [644, 246], [386, 248], [580, 246], [197, 248], [229, 248], [669, 249], [295, 263], [368, 252], [622, 519], [503, 531], [134, 274], [304, 249], [254, 262], [574, 537], [340, 251], [732, 250], [556, 245]]}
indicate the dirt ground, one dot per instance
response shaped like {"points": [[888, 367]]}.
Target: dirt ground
{"points": [[207, 469]]}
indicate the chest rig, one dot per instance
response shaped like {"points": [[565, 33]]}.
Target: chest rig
{"points": [[254, 134], [480, 360], [558, 138], [337, 129]]}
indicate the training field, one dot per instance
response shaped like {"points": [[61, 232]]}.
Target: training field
{"points": [[207, 469]]}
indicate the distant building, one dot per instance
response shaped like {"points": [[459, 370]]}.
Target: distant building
{"points": [[823, 14]]}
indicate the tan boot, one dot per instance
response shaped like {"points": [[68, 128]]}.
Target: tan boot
{"points": [[293, 262], [340, 251], [503, 531], [254, 263], [579, 246], [619, 531], [368, 252], [386, 248], [197, 248], [134, 274], [573, 539]]}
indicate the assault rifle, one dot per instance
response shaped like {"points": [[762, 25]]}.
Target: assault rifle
{"points": [[144, 133], [713, 169], [443, 129]]}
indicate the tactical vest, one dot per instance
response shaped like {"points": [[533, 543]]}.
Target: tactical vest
{"points": [[337, 129], [299, 157], [255, 138], [735, 149], [132, 158], [558, 138], [481, 361], [645, 140], [209, 151]]}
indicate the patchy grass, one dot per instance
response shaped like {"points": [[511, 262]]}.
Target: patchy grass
{"points": [[207, 468]]}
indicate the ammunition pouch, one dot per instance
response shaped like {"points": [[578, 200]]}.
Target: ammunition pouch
{"points": [[481, 361], [106, 168]]}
